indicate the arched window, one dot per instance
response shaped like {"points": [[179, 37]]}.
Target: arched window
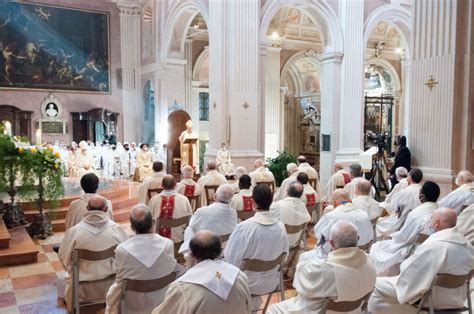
{"points": [[203, 106]]}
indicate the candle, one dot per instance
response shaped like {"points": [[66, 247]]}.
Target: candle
{"points": [[38, 137], [8, 128]]}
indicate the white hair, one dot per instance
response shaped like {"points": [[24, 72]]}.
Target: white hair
{"points": [[466, 176], [187, 171], [292, 168], [240, 171], [401, 172], [224, 193], [344, 234]]}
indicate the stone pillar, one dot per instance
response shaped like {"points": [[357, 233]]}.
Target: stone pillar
{"points": [[234, 55], [188, 51], [352, 82], [273, 129], [130, 71], [404, 114], [441, 117], [330, 111]]}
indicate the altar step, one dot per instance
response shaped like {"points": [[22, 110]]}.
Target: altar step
{"points": [[4, 235], [22, 249]]}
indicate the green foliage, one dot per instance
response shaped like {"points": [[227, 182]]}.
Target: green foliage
{"points": [[278, 165]]}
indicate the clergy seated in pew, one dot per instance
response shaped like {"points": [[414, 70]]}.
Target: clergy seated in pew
{"points": [[142, 259], [465, 223], [344, 210], [242, 201], [219, 218], [401, 173], [211, 285], [96, 232], [170, 205], [312, 173], [187, 186], [401, 205], [463, 196], [444, 252], [310, 196], [212, 177], [364, 201], [346, 275], [151, 182], [338, 180], [261, 173], [78, 208], [355, 171], [261, 237], [387, 255], [292, 170], [239, 171]]}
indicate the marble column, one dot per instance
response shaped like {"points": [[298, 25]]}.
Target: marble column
{"points": [[188, 51], [352, 84], [404, 113], [130, 70], [441, 116], [234, 57], [273, 129]]}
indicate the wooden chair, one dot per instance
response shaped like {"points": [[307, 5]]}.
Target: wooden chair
{"points": [[449, 282], [311, 209], [154, 191], [92, 256], [313, 183], [210, 191], [225, 237], [373, 221], [346, 306], [243, 215], [257, 265], [366, 247], [294, 249], [146, 286], [173, 223], [419, 240], [270, 184], [193, 201]]}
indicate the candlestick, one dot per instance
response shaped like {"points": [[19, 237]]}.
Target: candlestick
{"points": [[8, 128], [38, 137]]}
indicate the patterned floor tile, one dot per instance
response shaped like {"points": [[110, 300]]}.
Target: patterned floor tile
{"points": [[7, 299], [34, 281], [57, 266], [10, 310], [4, 273], [43, 307], [31, 269], [52, 256], [35, 295], [6, 285]]}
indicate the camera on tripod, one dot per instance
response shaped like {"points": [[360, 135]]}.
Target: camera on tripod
{"points": [[379, 139]]}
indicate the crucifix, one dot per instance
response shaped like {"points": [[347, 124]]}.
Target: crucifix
{"points": [[432, 82]]}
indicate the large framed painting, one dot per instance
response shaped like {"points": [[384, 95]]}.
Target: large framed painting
{"points": [[53, 48]]}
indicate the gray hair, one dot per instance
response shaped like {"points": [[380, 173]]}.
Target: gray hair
{"points": [[401, 172], [187, 171], [239, 171], [292, 168], [344, 234], [355, 170], [466, 176], [224, 193], [141, 219]]}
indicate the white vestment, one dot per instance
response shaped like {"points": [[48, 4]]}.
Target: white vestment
{"points": [[446, 252], [224, 162], [261, 174], [260, 237], [465, 223], [142, 257], [307, 192], [351, 187], [84, 163], [402, 184], [213, 177], [281, 192], [457, 199], [78, 208], [312, 174], [347, 275], [96, 232], [389, 253], [348, 212], [237, 201], [211, 286], [152, 182], [144, 164], [184, 149], [368, 204], [336, 181], [181, 187], [181, 208], [219, 218], [291, 211]]}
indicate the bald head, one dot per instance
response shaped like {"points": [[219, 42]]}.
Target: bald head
{"points": [[187, 172], [168, 182], [224, 193], [337, 166], [97, 203], [295, 189], [258, 163], [211, 165], [343, 234], [340, 196], [205, 245], [363, 187], [443, 218], [141, 219], [464, 177]]}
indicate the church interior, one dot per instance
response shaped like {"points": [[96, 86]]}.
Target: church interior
{"points": [[236, 156]]}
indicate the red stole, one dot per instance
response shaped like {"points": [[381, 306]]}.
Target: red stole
{"points": [[248, 203], [189, 190], [347, 177], [310, 199], [166, 211]]}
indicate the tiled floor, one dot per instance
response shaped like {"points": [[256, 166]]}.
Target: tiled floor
{"points": [[39, 288]]}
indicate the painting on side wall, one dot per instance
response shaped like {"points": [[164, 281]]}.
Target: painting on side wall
{"points": [[53, 48]]}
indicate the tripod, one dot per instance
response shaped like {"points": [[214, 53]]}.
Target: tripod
{"points": [[376, 175]]}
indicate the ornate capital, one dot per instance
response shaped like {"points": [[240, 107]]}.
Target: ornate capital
{"points": [[128, 7]]}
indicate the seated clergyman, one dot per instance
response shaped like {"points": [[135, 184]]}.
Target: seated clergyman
{"points": [[211, 285], [347, 274]]}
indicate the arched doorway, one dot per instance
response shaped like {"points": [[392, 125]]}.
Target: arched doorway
{"points": [[176, 125]]}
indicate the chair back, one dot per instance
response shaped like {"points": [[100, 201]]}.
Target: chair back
{"points": [[258, 265], [172, 223], [449, 281], [92, 256], [225, 237], [291, 229], [366, 247], [345, 306], [210, 191], [193, 201], [270, 184], [150, 285], [313, 183], [153, 192], [421, 238], [243, 215], [313, 208]]}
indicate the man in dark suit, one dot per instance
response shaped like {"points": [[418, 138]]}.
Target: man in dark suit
{"points": [[402, 158]]}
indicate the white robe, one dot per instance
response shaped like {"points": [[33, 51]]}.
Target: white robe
{"points": [[308, 190], [83, 161], [336, 180], [347, 275], [457, 199], [78, 208], [312, 174], [237, 201], [213, 177], [291, 211], [144, 164], [182, 208], [224, 162], [96, 232], [465, 223], [184, 149], [219, 218], [348, 212], [351, 187], [260, 237], [181, 186], [281, 192], [142, 257], [389, 253], [368, 204], [446, 251], [152, 182], [261, 174], [401, 185]]}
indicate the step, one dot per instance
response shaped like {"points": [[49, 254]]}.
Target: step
{"points": [[22, 249], [4, 235]]}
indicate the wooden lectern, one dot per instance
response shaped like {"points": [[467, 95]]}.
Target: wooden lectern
{"points": [[191, 142]]}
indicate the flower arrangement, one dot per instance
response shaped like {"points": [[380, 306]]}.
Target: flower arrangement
{"points": [[278, 165]]}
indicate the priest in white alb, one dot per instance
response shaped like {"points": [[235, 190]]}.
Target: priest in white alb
{"points": [[388, 254], [211, 285], [96, 232], [145, 256], [212, 177], [151, 182], [261, 173], [224, 161], [170, 205], [364, 201], [347, 275], [465, 224], [463, 196], [243, 201], [355, 171], [338, 180], [310, 196], [189, 134], [83, 160], [304, 166], [187, 186], [239, 171], [401, 174], [292, 171], [444, 252]]}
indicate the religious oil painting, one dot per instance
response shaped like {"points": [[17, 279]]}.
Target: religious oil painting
{"points": [[53, 48]]}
